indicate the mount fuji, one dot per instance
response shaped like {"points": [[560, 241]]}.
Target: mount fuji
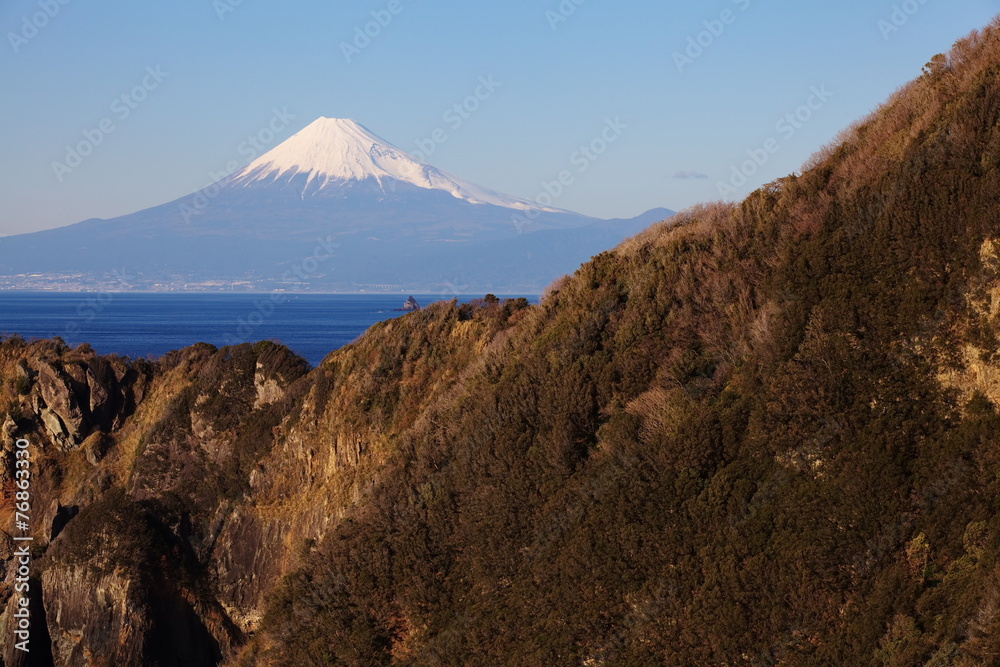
{"points": [[332, 152], [333, 208]]}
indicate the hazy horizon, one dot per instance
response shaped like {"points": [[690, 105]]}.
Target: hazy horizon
{"points": [[532, 83]]}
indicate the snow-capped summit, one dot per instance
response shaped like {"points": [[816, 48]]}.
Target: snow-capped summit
{"points": [[334, 208], [331, 151]]}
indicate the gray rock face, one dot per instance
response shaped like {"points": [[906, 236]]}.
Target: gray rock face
{"points": [[74, 400], [61, 411], [96, 447], [54, 425], [98, 393], [56, 518], [223, 490], [95, 609]]}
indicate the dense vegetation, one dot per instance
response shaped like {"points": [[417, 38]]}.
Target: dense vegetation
{"points": [[726, 442], [756, 434]]}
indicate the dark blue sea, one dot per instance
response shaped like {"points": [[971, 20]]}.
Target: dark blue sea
{"points": [[150, 324]]}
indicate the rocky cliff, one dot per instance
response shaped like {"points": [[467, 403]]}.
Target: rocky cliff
{"points": [[189, 486], [764, 433]]}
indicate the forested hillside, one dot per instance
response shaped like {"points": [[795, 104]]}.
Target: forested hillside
{"points": [[763, 433]]}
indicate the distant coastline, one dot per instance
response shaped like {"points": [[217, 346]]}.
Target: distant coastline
{"points": [[150, 324]]}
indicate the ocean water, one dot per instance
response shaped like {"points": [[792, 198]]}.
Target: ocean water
{"points": [[151, 324]]}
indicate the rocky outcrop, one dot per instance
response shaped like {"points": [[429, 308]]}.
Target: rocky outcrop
{"points": [[269, 389], [636, 471], [974, 366], [119, 617], [177, 496], [58, 406], [73, 399], [60, 400], [56, 518], [96, 619], [119, 589]]}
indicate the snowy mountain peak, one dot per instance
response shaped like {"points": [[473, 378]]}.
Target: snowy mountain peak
{"points": [[332, 151]]}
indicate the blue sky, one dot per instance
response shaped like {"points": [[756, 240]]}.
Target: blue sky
{"points": [[200, 77]]}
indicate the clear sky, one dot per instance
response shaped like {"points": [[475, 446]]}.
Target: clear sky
{"points": [[200, 77]]}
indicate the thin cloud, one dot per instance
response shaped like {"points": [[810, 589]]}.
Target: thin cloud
{"points": [[684, 175]]}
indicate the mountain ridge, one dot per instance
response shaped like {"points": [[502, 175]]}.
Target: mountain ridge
{"points": [[332, 150], [763, 433], [333, 183]]}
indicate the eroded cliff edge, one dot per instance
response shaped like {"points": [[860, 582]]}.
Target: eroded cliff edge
{"points": [[766, 433], [169, 497]]}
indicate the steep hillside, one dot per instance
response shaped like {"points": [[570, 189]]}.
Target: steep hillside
{"points": [[218, 470], [759, 434], [765, 434]]}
